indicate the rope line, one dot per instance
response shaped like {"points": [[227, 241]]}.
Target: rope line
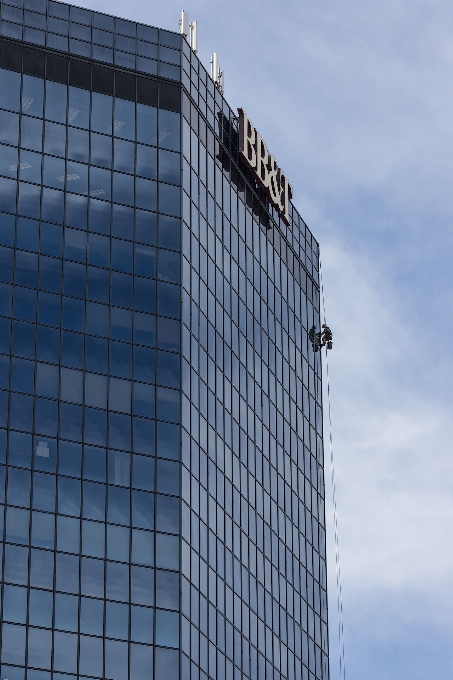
{"points": [[334, 500]]}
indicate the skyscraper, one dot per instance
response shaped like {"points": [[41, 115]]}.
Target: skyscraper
{"points": [[161, 458]]}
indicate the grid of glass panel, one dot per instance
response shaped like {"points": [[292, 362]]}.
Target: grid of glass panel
{"points": [[89, 382], [212, 105], [93, 35], [253, 584]]}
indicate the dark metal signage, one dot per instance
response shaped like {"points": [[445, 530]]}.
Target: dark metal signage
{"points": [[254, 153]]}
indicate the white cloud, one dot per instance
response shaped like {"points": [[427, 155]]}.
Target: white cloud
{"points": [[394, 464]]}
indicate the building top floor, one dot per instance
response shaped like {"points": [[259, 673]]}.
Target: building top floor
{"points": [[132, 46]]}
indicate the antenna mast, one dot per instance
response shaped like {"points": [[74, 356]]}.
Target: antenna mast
{"points": [[217, 75], [189, 31]]}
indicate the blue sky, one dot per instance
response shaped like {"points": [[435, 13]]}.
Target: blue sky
{"points": [[355, 101]]}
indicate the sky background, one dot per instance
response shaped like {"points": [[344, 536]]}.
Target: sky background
{"points": [[355, 101]]}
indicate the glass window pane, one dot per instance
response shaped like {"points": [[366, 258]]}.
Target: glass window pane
{"points": [[101, 113], [146, 194], [92, 577], [69, 496], [119, 468], [142, 547], [118, 542], [118, 505], [91, 617], [142, 510], [146, 124], [94, 463], [15, 604], [42, 569], [145, 261], [72, 385], [142, 585], [96, 390], [68, 534], [44, 492], [169, 199], [120, 395], [16, 561], [9, 90], [13, 648], [169, 266], [167, 589], [17, 526], [40, 608], [167, 552], [39, 647], [168, 334], [117, 585], [167, 628], [169, 130], [166, 662], [144, 400], [93, 501], [141, 661], [143, 473], [142, 624], [168, 404], [65, 652], [147, 162], [43, 530], [124, 118], [168, 477], [67, 573], [66, 612], [168, 441], [56, 95], [91, 649], [144, 329], [169, 167], [79, 107], [116, 659], [167, 514], [93, 539]]}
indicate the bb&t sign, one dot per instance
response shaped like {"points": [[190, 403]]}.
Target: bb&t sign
{"points": [[254, 153]]}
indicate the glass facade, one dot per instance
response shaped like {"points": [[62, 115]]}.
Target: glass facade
{"points": [[161, 458]]}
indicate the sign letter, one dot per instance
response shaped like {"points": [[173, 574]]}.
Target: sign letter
{"points": [[287, 194], [247, 139]]}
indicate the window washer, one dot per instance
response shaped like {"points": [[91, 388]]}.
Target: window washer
{"points": [[326, 337], [315, 339]]}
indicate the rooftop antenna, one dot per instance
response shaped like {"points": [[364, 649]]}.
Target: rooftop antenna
{"points": [[189, 31], [217, 75]]}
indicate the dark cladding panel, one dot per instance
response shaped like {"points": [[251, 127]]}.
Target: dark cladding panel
{"points": [[147, 33], [185, 106], [80, 74], [126, 27], [170, 97], [58, 10], [194, 118], [169, 39], [34, 62], [57, 68], [147, 91], [81, 16], [125, 85], [89, 75], [102, 79], [10, 56]]}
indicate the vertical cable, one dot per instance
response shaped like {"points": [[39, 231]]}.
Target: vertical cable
{"points": [[334, 500]]}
